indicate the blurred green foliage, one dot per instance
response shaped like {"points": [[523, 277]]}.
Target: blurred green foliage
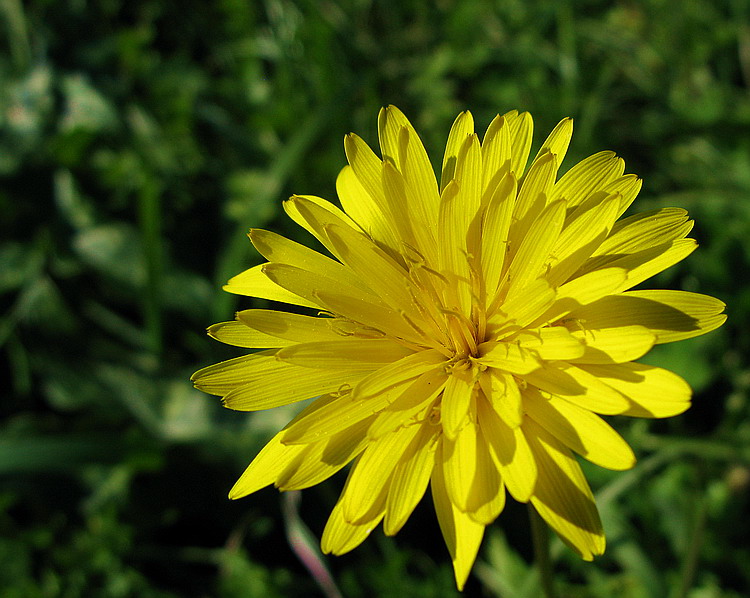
{"points": [[138, 143]]}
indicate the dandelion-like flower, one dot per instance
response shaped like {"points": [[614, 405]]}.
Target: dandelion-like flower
{"points": [[465, 337]]}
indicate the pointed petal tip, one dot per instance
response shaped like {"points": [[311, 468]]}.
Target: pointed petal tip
{"points": [[236, 492], [461, 581]]}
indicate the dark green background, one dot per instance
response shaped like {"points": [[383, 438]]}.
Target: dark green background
{"points": [[138, 143]]}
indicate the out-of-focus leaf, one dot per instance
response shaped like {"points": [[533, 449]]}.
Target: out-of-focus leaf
{"points": [[114, 251], [76, 209], [252, 197], [18, 263], [85, 107], [25, 106], [186, 415], [504, 571], [186, 292]]}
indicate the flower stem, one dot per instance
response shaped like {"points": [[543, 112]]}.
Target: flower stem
{"points": [[540, 536], [690, 562]]}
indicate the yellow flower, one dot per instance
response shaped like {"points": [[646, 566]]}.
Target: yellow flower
{"points": [[465, 336]]}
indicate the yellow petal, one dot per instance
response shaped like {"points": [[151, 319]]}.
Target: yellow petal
{"points": [[508, 357], [367, 354], [591, 286], [458, 456], [363, 209], [648, 262], [503, 393], [577, 386], [397, 197], [487, 499], [628, 187], [468, 175], [562, 496], [521, 131], [612, 345], [413, 405], [453, 249], [645, 230], [551, 342], [276, 248], [336, 414], [535, 185], [588, 176], [387, 279], [254, 283], [410, 479], [292, 328], [650, 391], [279, 383], [462, 127], [305, 282], [264, 469], [558, 140], [535, 247], [580, 430], [526, 305], [472, 480], [401, 371], [580, 238], [220, 378], [378, 318], [400, 142], [581, 291], [495, 227], [341, 536], [338, 296], [496, 154], [372, 473], [470, 200], [390, 122], [457, 397], [240, 335], [511, 452], [313, 213], [319, 461], [462, 535], [670, 315], [368, 169]]}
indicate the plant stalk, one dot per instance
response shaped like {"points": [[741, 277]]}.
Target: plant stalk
{"points": [[540, 538]]}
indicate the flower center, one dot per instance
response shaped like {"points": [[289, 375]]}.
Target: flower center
{"points": [[449, 311]]}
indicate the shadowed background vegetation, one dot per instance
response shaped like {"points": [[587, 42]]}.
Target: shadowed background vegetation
{"points": [[138, 143]]}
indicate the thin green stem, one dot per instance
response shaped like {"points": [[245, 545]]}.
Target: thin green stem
{"points": [[18, 33], [692, 556], [149, 213], [568, 64], [540, 537]]}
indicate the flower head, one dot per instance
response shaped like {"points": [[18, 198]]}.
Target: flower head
{"points": [[465, 337]]}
